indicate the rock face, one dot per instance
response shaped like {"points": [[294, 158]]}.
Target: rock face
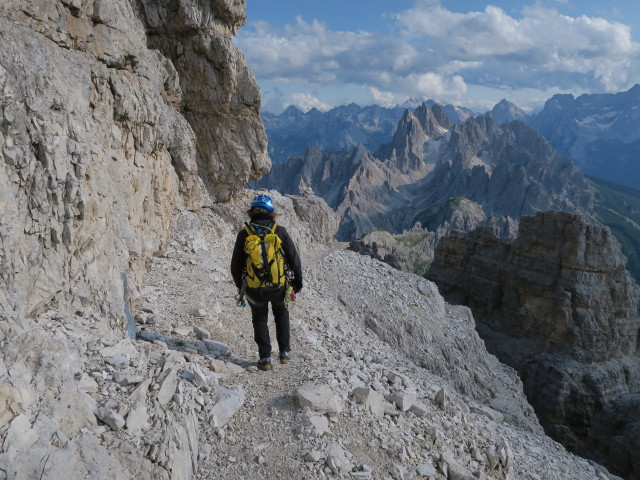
{"points": [[96, 150], [599, 132], [101, 141], [510, 170], [325, 174], [220, 97], [558, 305], [409, 146]]}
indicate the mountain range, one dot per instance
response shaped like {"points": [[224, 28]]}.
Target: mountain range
{"points": [[507, 170], [341, 128], [599, 132]]}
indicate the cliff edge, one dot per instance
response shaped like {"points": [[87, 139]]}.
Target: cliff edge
{"points": [[557, 304]]}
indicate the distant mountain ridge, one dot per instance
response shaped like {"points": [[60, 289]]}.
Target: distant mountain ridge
{"points": [[599, 132], [508, 170], [341, 128]]}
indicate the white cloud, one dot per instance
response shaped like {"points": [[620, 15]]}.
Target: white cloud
{"points": [[306, 102], [435, 85], [446, 55], [542, 48], [384, 99]]}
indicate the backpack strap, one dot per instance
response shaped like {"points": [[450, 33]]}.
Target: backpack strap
{"points": [[249, 229], [259, 230]]}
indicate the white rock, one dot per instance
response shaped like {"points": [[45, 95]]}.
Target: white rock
{"points": [[118, 361], [87, 383], [402, 400], [314, 456], [228, 401], [201, 333], [426, 470], [320, 398], [452, 468], [199, 312], [168, 386], [228, 368], [127, 378], [419, 409], [196, 376], [111, 418], [320, 424], [137, 419], [489, 413], [400, 473], [370, 399], [337, 460], [182, 331]]}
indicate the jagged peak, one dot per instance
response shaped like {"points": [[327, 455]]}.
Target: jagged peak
{"points": [[292, 111]]}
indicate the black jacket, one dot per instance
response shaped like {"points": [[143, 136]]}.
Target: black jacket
{"points": [[291, 257]]}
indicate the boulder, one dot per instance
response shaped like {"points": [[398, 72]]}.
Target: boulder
{"points": [[370, 399], [320, 398], [227, 402]]}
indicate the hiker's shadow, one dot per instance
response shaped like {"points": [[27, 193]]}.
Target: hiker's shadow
{"points": [[207, 348]]}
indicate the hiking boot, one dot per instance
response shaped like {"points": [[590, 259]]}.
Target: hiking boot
{"points": [[265, 363], [285, 357]]}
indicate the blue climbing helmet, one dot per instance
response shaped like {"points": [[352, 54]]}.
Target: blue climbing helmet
{"points": [[264, 201]]}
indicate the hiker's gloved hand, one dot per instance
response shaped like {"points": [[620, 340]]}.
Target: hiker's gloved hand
{"points": [[297, 285]]}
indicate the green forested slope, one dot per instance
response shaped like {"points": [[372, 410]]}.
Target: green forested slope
{"points": [[618, 207]]}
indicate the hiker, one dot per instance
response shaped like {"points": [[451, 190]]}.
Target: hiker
{"points": [[249, 276]]}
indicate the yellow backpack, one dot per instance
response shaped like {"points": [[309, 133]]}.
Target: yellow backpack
{"points": [[265, 258]]}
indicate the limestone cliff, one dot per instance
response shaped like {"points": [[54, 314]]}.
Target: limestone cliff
{"points": [[558, 305], [221, 100], [102, 135]]}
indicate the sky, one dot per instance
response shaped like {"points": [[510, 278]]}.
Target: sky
{"points": [[325, 53]]}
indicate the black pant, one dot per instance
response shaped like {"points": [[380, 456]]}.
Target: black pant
{"points": [[259, 303]]}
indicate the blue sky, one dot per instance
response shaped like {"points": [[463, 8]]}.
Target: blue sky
{"points": [[324, 53]]}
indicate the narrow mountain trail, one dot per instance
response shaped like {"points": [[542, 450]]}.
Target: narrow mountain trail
{"points": [[351, 328], [191, 287]]}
